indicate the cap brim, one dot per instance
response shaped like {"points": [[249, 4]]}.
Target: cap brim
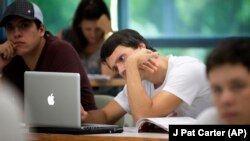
{"points": [[5, 19]]}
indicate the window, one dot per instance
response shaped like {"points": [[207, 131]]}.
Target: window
{"points": [[58, 14], [179, 27], [185, 27]]}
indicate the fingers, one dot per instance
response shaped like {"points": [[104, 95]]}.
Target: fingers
{"points": [[84, 114], [145, 59], [10, 51], [7, 50], [148, 59], [149, 65]]}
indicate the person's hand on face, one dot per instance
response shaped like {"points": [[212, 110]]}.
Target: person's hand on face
{"points": [[145, 59], [104, 23], [7, 52]]}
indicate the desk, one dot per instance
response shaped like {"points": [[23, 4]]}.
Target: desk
{"points": [[112, 82], [99, 137], [129, 134]]}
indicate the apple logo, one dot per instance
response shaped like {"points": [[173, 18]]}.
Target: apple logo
{"points": [[51, 99]]}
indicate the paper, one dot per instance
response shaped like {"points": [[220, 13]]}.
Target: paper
{"points": [[161, 124]]}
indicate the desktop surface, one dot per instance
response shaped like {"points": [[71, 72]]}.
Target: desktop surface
{"points": [[127, 135]]}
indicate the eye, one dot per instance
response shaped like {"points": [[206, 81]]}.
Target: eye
{"points": [[216, 90], [237, 87], [121, 59], [24, 25], [9, 28]]}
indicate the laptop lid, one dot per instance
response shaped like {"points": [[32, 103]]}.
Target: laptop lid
{"points": [[52, 99]]}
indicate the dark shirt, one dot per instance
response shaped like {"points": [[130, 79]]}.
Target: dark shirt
{"points": [[56, 56]]}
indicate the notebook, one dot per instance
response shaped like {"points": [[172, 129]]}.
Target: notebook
{"points": [[52, 104]]}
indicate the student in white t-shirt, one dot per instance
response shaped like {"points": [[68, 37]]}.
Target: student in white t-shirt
{"points": [[228, 71], [156, 85]]}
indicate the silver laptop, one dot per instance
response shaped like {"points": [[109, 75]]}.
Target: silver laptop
{"points": [[52, 99], [52, 104]]}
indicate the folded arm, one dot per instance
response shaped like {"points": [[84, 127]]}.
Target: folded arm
{"points": [[111, 113], [141, 104]]}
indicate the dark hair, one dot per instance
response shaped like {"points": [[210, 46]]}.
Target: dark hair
{"points": [[230, 51], [89, 10], [38, 23], [126, 37]]}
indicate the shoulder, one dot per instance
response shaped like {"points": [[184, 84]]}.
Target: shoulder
{"points": [[208, 116], [184, 60], [186, 66], [55, 43], [60, 49]]}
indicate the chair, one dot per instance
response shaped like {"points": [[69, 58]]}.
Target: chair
{"points": [[102, 100]]}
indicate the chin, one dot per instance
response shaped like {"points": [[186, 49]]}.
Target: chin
{"points": [[92, 41], [20, 53], [233, 121]]}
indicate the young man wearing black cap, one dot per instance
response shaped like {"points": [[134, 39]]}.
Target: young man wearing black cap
{"points": [[30, 48]]}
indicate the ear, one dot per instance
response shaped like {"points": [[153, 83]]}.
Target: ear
{"points": [[141, 45], [42, 30]]}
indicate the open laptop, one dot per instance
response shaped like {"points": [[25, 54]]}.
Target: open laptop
{"points": [[52, 104]]}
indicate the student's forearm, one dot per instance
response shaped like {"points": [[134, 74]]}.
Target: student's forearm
{"points": [[96, 116], [7, 52], [140, 103]]}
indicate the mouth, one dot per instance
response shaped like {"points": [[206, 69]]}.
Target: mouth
{"points": [[18, 43], [93, 39], [229, 116]]}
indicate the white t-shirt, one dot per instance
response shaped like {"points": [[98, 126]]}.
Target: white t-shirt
{"points": [[209, 116], [186, 79]]}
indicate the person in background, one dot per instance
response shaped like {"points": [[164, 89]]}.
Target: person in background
{"points": [[11, 117], [29, 47], [157, 86], [228, 71], [90, 26]]}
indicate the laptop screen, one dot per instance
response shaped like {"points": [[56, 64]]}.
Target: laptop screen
{"points": [[52, 99]]}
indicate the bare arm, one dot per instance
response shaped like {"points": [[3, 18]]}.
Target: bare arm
{"points": [[111, 113], [105, 24], [140, 103], [7, 52]]}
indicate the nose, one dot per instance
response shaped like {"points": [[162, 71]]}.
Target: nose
{"points": [[16, 33], [227, 97], [121, 69], [92, 33]]}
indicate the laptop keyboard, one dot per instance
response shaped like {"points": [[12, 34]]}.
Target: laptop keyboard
{"points": [[85, 129], [99, 128]]}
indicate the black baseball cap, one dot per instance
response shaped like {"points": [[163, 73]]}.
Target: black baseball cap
{"points": [[24, 9]]}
